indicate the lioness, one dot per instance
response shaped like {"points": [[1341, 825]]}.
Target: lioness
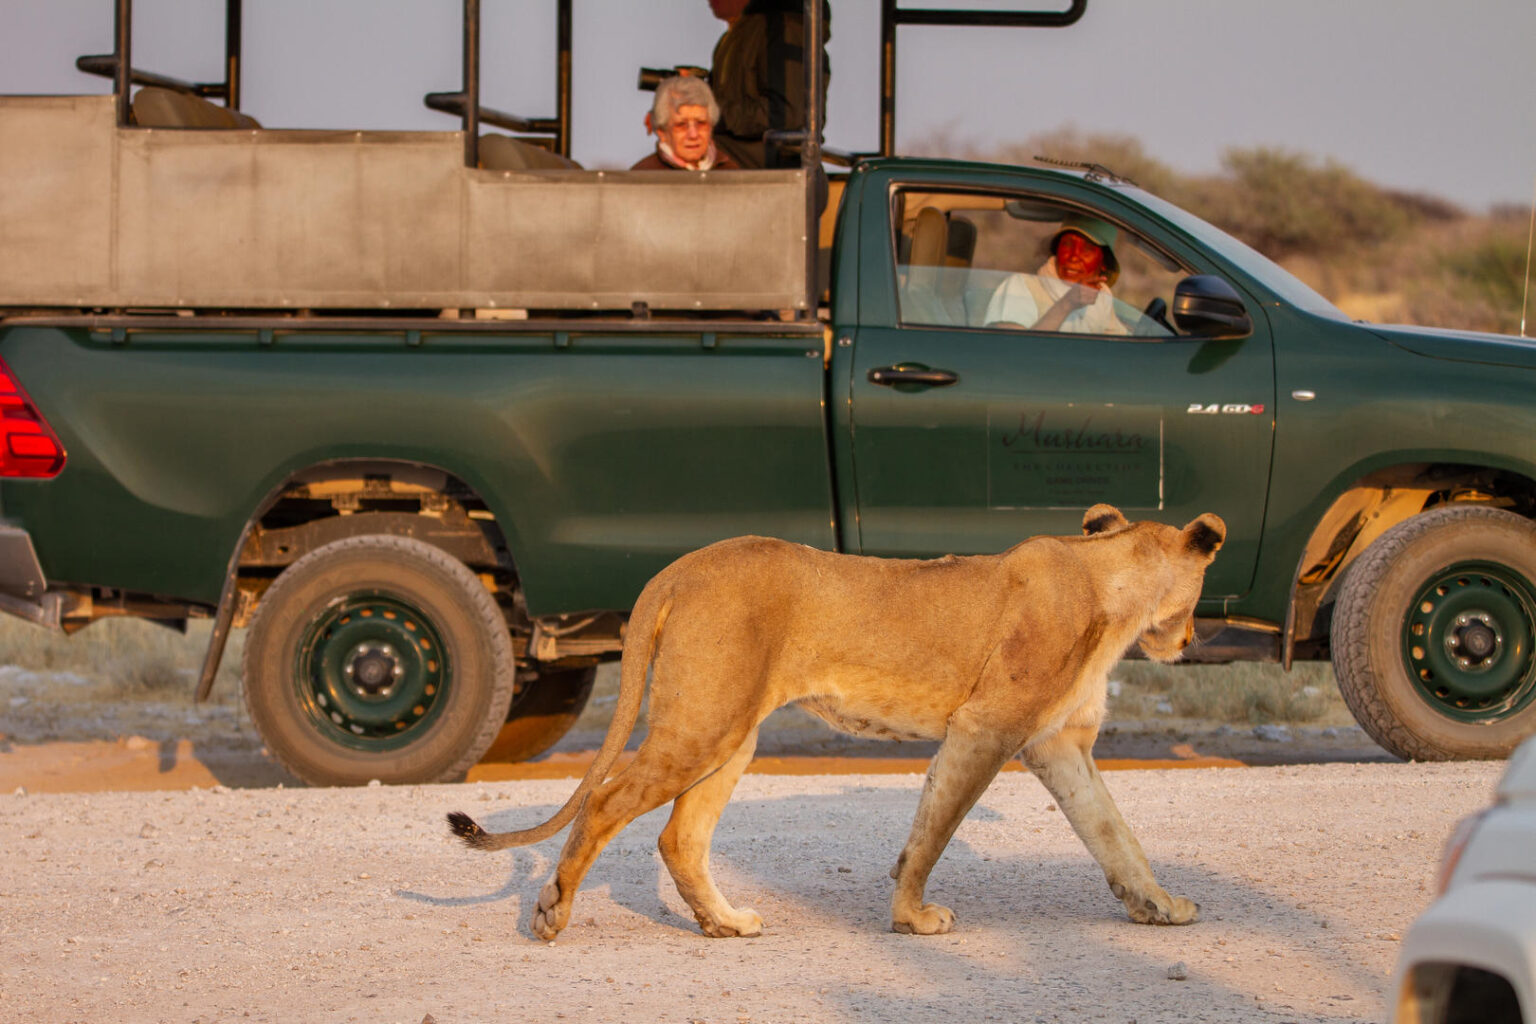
{"points": [[996, 655]]}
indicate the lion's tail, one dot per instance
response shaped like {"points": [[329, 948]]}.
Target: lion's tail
{"points": [[640, 640]]}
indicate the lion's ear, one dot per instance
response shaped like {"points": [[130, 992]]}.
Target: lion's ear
{"points": [[1102, 519], [1205, 534]]}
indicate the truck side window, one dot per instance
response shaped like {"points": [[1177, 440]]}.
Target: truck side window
{"points": [[998, 262]]}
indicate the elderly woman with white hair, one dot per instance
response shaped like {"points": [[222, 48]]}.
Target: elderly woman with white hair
{"points": [[683, 118]]}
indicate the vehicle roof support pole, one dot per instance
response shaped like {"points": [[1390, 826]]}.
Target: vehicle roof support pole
{"points": [[233, 22], [122, 49], [471, 83], [810, 153], [891, 16], [887, 77], [563, 78]]}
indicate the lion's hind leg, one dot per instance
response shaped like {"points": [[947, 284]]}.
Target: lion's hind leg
{"points": [[665, 766], [685, 848], [1064, 764]]}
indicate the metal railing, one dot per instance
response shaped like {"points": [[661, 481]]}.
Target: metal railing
{"points": [[465, 104], [118, 65], [893, 16]]}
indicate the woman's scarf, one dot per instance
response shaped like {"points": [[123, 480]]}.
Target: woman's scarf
{"points": [[1098, 317], [666, 154]]}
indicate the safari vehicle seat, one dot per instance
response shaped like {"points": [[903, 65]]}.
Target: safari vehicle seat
{"points": [[504, 153], [959, 250], [929, 238], [938, 265], [154, 107], [979, 287], [920, 296]]}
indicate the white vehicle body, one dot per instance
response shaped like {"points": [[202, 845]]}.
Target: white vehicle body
{"points": [[1472, 955]]}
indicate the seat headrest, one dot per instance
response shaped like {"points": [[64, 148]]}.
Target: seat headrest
{"points": [[504, 153], [154, 107], [929, 239]]}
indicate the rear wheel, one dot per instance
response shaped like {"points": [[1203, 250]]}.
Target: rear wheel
{"points": [[1434, 635], [378, 657]]}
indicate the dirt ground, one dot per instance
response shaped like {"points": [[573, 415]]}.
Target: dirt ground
{"points": [[355, 905], [160, 868]]}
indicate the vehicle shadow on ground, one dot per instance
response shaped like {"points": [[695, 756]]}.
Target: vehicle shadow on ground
{"points": [[233, 768], [811, 869]]}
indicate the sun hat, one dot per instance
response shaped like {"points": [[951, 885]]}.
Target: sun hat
{"points": [[1099, 232]]}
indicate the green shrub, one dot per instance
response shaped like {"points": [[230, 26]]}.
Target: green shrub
{"points": [[1492, 268], [1284, 203]]}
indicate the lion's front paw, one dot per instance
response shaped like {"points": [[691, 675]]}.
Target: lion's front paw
{"points": [[550, 915], [744, 923], [1164, 910], [927, 919]]}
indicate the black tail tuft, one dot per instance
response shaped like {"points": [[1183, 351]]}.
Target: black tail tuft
{"points": [[465, 828]]}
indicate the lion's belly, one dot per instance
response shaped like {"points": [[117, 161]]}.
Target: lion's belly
{"points": [[883, 705], [882, 695], [871, 722]]}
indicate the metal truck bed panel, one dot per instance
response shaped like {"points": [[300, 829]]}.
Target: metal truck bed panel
{"points": [[107, 217]]}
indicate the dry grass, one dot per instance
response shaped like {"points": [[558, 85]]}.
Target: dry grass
{"points": [[118, 657], [1243, 694], [118, 677]]}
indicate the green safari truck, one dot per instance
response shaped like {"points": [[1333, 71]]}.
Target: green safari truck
{"points": [[428, 448]]}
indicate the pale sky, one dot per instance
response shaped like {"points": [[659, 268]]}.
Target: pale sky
{"points": [[1426, 95]]}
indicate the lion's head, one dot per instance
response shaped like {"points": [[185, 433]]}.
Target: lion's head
{"points": [[1183, 556]]}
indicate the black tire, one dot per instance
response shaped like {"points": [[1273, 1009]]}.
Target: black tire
{"points": [[378, 657], [1433, 632], [542, 713]]}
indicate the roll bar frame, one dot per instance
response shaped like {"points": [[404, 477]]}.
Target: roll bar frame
{"points": [[465, 103], [892, 16], [118, 65]]}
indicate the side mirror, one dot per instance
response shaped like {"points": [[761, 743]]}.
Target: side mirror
{"points": [[1208, 307]]}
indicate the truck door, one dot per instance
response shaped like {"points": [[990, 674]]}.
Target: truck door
{"points": [[972, 428]]}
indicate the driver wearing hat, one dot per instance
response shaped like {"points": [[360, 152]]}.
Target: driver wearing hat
{"points": [[1071, 291]]}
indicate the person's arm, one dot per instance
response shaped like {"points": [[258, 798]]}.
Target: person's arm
{"points": [[1077, 296]]}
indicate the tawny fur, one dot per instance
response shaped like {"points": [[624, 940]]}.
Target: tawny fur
{"points": [[995, 655]]}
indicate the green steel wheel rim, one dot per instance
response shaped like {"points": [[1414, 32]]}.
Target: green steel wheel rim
{"points": [[1468, 640], [371, 673]]}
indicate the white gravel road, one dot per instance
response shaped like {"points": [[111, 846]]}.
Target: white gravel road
{"points": [[355, 905]]}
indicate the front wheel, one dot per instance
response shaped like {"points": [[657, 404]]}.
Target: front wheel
{"points": [[1433, 635], [378, 657]]}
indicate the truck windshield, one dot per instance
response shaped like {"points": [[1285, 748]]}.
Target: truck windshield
{"points": [[1252, 262]]}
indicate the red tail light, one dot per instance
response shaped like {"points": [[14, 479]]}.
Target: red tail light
{"points": [[28, 445]]}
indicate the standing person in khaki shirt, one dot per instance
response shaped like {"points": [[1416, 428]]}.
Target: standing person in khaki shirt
{"points": [[758, 74]]}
